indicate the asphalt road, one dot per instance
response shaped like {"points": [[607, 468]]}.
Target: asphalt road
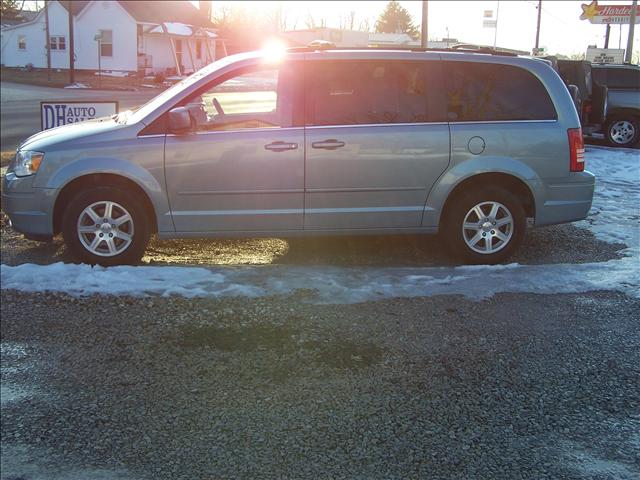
{"points": [[20, 106]]}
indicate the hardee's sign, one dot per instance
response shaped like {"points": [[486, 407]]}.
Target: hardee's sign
{"points": [[608, 13]]}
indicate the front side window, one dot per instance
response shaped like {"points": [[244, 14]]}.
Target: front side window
{"points": [[22, 42], [260, 98], [106, 43], [492, 92], [372, 92]]}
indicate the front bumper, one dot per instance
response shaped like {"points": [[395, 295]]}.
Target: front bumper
{"points": [[567, 201], [29, 209]]}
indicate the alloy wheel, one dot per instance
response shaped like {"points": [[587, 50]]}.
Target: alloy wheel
{"points": [[487, 227], [105, 228]]}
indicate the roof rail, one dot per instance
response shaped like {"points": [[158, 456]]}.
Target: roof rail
{"points": [[321, 45]]}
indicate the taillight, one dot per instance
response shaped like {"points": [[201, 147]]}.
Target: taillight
{"points": [[576, 150]]}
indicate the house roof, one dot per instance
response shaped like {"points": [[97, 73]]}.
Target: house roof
{"points": [[155, 12]]}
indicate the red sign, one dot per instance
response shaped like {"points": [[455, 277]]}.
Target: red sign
{"points": [[608, 13]]}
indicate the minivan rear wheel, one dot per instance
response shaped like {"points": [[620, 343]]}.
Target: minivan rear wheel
{"points": [[105, 226], [485, 225]]}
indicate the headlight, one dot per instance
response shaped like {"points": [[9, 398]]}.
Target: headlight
{"points": [[26, 163]]}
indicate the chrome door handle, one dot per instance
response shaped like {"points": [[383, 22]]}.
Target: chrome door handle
{"points": [[331, 144], [280, 146]]}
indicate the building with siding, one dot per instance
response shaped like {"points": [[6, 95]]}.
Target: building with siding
{"points": [[171, 37]]}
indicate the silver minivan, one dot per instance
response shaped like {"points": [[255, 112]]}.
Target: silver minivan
{"points": [[315, 142]]}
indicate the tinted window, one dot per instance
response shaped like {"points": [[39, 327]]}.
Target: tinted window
{"points": [[372, 92], [490, 92], [249, 99], [618, 77]]}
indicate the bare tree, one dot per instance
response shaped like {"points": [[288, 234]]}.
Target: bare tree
{"points": [[365, 25], [310, 22]]}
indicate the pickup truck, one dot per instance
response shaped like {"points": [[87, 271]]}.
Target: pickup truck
{"points": [[589, 97], [621, 127]]}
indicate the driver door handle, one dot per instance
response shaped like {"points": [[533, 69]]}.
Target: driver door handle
{"points": [[281, 146], [330, 144]]}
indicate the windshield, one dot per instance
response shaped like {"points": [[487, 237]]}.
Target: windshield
{"points": [[137, 114]]}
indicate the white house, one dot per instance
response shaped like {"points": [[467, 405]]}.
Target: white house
{"points": [[149, 36]]}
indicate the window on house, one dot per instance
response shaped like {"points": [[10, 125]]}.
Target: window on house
{"points": [[199, 49], [57, 43], [106, 43], [22, 42]]}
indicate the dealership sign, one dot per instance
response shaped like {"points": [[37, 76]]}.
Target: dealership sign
{"points": [[55, 114], [608, 13]]}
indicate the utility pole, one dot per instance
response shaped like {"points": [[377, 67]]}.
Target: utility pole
{"points": [[632, 24], [495, 33], [71, 49], [424, 30], [538, 27], [48, 40]]}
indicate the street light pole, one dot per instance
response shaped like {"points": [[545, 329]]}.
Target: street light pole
{"points": [[495, 33], [632, 24], [424, 29]]}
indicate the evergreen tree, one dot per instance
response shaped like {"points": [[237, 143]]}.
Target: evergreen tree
{"points": [[397, 19]]}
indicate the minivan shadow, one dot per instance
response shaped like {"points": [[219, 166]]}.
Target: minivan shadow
{"points": [[546, 245]]}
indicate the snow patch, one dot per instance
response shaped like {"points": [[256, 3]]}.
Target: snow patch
{"points": [[173, 28], [76, 85], [329, 284]]}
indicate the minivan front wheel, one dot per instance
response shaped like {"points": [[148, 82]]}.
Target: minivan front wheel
{"points": [[485, 225], [105, 226]]}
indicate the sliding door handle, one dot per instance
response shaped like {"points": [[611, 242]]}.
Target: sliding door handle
{"points": [[281, 146], [331, 144]]}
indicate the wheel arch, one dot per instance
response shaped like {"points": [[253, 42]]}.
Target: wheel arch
{"points": [[89, 180], [444, 194]]}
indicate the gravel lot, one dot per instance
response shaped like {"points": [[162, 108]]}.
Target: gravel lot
{"points": [[518, 386]]}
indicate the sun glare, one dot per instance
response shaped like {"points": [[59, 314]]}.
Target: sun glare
{"points": [[273, 51]]}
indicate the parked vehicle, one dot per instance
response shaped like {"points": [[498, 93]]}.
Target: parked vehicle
{"points": [[622, 124], [590, 98], [315, 142]]}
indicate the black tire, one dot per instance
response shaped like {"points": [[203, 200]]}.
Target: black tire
{"points": [[460, 208], [138, 225], [622, 131]]}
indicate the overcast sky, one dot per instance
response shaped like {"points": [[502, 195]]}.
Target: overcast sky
{"points": [[562, 31]]}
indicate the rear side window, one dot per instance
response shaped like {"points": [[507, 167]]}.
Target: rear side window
{"points": [[373, 92], [491, 92]]}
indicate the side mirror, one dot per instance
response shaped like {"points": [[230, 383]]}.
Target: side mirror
{"points": [[179, 120]]}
